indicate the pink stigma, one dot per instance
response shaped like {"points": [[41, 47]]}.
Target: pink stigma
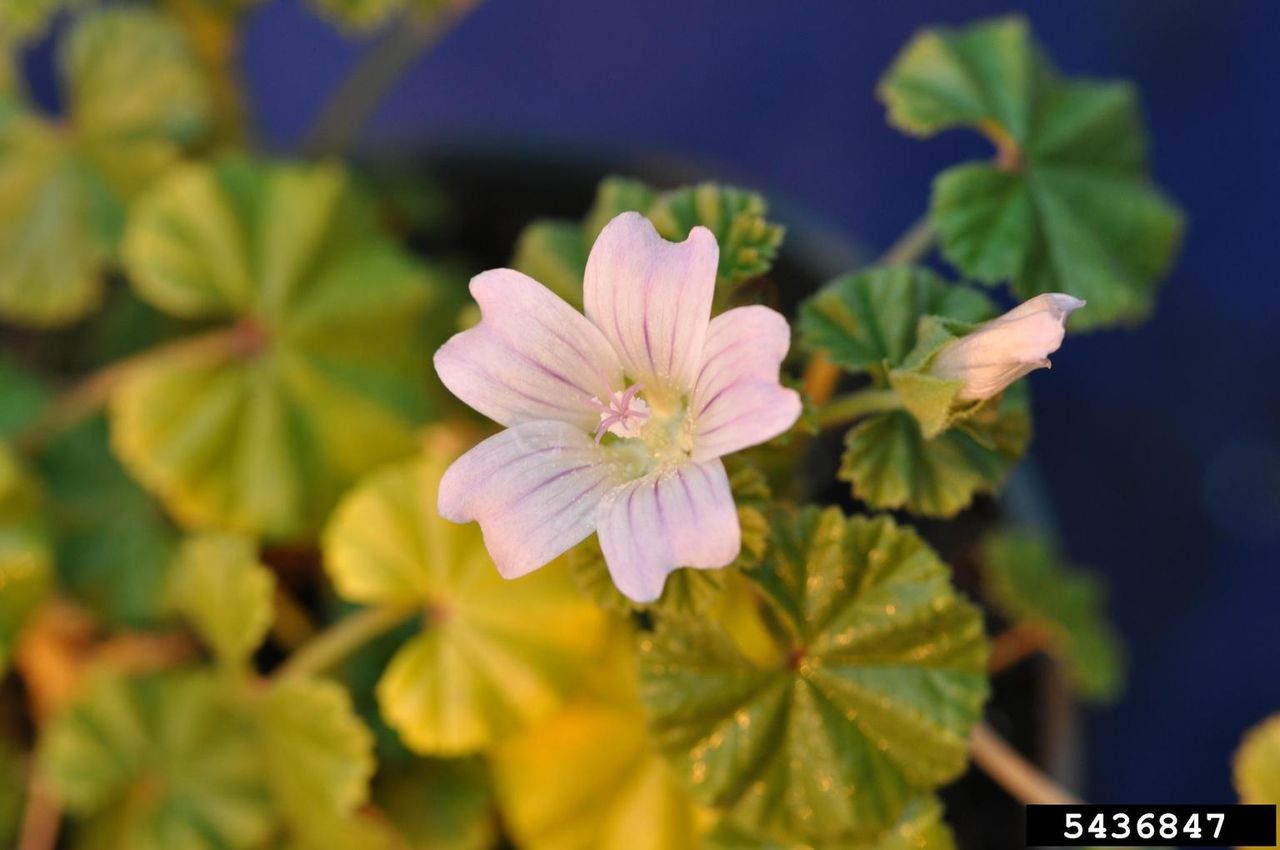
{"points": [[623, 415]]}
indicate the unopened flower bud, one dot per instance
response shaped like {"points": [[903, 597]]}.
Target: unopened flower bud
{"points": [[999, 352]]}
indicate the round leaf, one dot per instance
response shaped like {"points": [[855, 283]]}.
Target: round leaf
{"points": [[921, 827], [748, 241], [1068, 206], [256, 435], [227, 594], [158, 763], [861, 321], [493, 654], [867, 697], [891, 465], [1257, 765]]}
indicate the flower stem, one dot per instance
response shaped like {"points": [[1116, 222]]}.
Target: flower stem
{"points": [[1016, 644], [849, 407], [341, 639], [91, 394], [357, 96], [821, 375], [1022, 779], [43, 815]]}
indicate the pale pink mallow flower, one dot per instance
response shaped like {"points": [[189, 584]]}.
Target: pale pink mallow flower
{"points": [[616, 421], [997, 353]]}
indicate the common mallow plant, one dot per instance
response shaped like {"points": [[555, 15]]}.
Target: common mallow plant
{"points": [[615, 421]]}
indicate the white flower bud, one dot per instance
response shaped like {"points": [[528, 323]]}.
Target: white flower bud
{"points": [[999, 352]]}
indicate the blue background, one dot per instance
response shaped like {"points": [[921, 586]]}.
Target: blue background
{"points": [[1160, 447]]}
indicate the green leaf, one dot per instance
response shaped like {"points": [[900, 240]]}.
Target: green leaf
{"points": [[13, 776], [920, 827], [221, 587], [134, 100], [114, 545], [254, 434], [554, 252], [318, 754], [438, 804], [359, 15], [26, 562], [891, 465], [493, 655], [158, 763], [1028, 582], [1068, 206], [877, 674], [863, 320], [748, 241], [26, 20], [1257, 765]]}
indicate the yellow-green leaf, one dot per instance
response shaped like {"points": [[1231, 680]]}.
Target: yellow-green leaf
{"points": [[255, 432], [876, 674], [221, 587], [318, 753], [493, 655], [1068, 206], [158, 763], [589, 778], [134, 100], [1028, 581], [1257, 765]]}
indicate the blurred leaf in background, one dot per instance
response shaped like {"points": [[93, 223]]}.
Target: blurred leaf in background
{"points": [[1026, 579], [1068, 205], [439, 804], [1257, 765], [26, 560], [134, 101], [493, 655], [318, 377]]}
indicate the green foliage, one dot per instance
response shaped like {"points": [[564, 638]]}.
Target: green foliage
{"points": [[253, 432], [1027, 580], [554, 252], [863, 321], [219, 585], [158, 763], [892, 465], [475, 673], [933, 456], [875, 674], [113, 544], [920, 827], [439, 804], [26, 20], [13, 801], [134, 101], [1257, 765], [26, 562], [1067, 206]]}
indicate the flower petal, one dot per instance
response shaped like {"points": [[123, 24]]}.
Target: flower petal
{"points": [[652, 299], [534, 488], [532, 357], [737, 400], [682, 517]]}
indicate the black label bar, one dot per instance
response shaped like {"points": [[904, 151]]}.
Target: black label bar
{"points": [[1151, 826]]}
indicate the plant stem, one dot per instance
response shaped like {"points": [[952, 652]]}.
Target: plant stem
{"points": [[341, 639], [1016, 644], [93, 392], [821, 375], [42, 817], [360, 93], [1022, 779], [857, 404]]}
